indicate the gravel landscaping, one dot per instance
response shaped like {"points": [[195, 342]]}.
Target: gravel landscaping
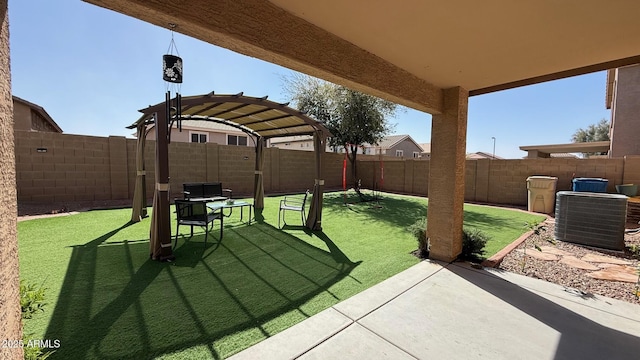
{"points": [[571, 277]]}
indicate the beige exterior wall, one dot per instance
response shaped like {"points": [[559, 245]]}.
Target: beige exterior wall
{"points": [[407, 147], [306, 145], [21, 116], [213, 137], [10, 323], [625, 112], [25, 118]]}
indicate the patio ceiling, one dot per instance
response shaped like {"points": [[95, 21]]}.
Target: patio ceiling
{"points": [[409, 51], [257, 116]]}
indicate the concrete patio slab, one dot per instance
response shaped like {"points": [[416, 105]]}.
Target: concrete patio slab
{"points": [[450, 317], [298, 339], [356, 342], [365, 302], [459, 312]]}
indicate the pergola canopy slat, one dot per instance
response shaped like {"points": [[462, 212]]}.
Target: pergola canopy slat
{"points": [[260, 116]]}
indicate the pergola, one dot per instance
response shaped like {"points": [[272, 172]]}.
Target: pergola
{"points": [[261, 118]]}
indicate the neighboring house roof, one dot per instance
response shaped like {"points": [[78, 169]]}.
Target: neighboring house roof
{"points": [[290, 139], [208, 126], [40, 110], [386, 143], [393, 140], [426, 147], [482, 155], [390, 141]]}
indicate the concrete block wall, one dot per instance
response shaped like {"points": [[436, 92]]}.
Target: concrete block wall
{"points": [[76, 168], [68, 167], [297, 170], [505, 180], [236, 166], [502, 181], [631, 170], [332, 170]]}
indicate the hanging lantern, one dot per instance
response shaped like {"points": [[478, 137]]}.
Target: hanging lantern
{"points": [[172, 68]]}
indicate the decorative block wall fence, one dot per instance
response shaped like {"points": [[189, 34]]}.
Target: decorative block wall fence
{"points": [[499, 181], [56, 168]]}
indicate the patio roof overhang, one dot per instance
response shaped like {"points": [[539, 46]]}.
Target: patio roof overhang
{"points": [[408, 52], [535, 151], [256, 116]]}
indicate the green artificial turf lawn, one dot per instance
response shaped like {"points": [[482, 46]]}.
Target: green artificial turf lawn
{"points": [[107, 299]]}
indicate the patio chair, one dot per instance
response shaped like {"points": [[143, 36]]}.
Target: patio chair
{"points": [[196, 213], [292, 203]]}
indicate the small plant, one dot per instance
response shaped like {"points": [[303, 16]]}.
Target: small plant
{"points": [[419, 230], [537, 229], [473, 243], [32, 302], [31, 299], [634, 250]]}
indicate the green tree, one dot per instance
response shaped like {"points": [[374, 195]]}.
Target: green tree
{"points": [[594, 132], [353, 118]]}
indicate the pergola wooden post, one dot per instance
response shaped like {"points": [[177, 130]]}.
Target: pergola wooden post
{"points": [[160, 233], [258, 184], [139, 206], [314, 220]]}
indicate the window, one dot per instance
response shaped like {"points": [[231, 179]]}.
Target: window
{"points": [[399, 153], [416, 154], [236, 140], [199, 137]]}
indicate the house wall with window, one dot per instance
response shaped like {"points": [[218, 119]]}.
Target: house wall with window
{"points": [[222, 136], [299, 142], [404, 147]]}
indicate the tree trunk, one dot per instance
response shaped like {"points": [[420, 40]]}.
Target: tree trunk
{"points": [[352, 159]]}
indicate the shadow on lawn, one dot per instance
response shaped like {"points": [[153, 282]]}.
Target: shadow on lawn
{"points": [[401, 211], [115, 303]]}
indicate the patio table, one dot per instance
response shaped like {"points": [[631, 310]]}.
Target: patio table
{"points": [[215, 206]]}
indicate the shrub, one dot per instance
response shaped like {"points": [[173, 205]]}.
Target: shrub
{"points": [[473, 243], [419, 231]]}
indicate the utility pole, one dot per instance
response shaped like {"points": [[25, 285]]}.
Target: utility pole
{"points": [[494, 148]]}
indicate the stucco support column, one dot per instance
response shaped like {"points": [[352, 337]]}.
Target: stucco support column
{"points": [[10, 327], [446, 176]]}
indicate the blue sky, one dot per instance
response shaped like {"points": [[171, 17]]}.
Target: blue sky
{"points": [[93, 69]]}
